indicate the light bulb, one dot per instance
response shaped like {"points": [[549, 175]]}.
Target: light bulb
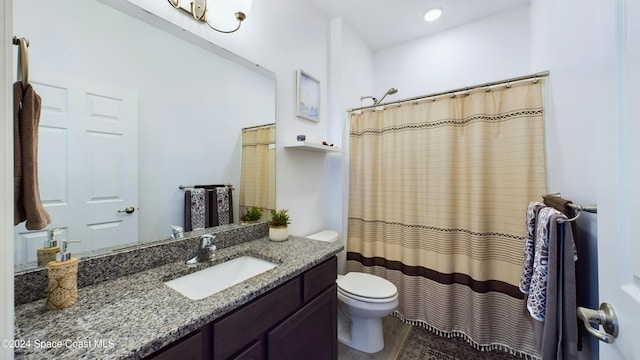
{"points": [[433, 14]]}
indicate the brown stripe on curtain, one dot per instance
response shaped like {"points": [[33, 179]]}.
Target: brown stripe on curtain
{"points": [[442, 278], [437, 201]]}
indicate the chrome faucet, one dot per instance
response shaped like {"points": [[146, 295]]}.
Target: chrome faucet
{"points": [[206, 250]]}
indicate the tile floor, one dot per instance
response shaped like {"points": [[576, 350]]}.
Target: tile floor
{"points": [[403, 343], [395, 334]]}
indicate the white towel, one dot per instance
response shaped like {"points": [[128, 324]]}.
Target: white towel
{"points": [[529, 245]]}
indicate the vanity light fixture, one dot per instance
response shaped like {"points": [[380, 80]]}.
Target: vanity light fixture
{"points": [[432, 14], [199, 9]]}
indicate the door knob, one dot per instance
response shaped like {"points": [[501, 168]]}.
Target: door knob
{"points": [[606, 317], [128, 210]]}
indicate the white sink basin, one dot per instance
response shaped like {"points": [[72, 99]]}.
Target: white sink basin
{"points": [[211, 280]]}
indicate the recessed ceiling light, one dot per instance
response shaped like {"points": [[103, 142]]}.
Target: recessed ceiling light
{"points": [[433, 14]]}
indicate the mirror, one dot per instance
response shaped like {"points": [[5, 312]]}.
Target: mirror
{"points": [[123, 103]]}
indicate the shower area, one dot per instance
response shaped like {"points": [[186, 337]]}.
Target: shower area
{"points": [[438, 190]]}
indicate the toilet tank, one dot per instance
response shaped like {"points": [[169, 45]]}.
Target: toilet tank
{"points": [[325, 235]]}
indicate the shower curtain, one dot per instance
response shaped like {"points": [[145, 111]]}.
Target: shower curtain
{"points": [[437, 200], [258, 176]]}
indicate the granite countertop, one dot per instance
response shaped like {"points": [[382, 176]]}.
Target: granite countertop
{"points": [[135, 315]]}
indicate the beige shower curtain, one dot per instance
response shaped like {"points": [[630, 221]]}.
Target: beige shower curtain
{"points": [[437, 200], [258, 177]]}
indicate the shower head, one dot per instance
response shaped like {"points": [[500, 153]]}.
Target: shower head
{"points": [[389, 92]]}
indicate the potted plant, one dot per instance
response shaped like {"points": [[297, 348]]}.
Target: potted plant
{"points": [[278, 225], [252, 215]]}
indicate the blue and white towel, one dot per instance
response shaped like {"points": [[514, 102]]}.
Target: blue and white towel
{"points": [[529, 245]]}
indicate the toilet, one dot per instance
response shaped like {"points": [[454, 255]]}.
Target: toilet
{"points": [[363, 300]]}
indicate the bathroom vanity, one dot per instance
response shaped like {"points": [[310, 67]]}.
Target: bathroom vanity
{"points": [[297, 320], [286, 312]]}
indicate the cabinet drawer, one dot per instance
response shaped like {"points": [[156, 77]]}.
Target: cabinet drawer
{"points": [[319, 278], [189, 347], [242, 327]]}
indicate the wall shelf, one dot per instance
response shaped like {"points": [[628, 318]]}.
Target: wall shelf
{"points": [[308, 146]]}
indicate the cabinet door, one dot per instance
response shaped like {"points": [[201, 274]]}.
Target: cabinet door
{"points": [[254, 352], [240, 328], [311, 333]]}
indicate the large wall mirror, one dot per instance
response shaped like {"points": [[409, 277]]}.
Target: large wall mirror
{"points": [[129, 113]]}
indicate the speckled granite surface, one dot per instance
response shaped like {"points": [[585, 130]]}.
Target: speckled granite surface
{"points": [[132, 316], [111, 263]]}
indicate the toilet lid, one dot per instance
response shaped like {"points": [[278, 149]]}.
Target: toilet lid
{"points": [[366, 286]]}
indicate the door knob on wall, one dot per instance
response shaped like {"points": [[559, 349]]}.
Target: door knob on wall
{"points": [[606, 317], [128, 210]]}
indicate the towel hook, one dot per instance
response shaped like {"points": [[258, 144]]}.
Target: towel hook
{"points": [[23, 60], [562, 221]]}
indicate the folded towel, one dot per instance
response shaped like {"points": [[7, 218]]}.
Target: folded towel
{"points": [[537, 299], [529, 246], [223, 205], [583, 288], [197, 209], [557, 336]]}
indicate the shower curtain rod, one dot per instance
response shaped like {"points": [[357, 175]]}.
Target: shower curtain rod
{"points": [[467, 88]]}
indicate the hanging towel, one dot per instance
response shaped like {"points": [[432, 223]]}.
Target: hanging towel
{"points": [[222, 197], [194, 209], [557, 335], [26, 119], [582, 263], [537, 299], [220, 205], [529, 245]]}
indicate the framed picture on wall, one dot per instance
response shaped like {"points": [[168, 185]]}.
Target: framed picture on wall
{"points": [[308, 99]]}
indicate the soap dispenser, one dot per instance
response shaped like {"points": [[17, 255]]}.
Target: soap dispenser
{"points": [[48, 252], [63, 279]]}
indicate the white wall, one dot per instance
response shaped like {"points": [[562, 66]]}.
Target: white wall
{"points": [[282, 36], [191, 104], [576, 42], [352, 76], [489, 49]]}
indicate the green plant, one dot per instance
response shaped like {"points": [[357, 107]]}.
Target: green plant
{"points": [[252, 214], [279, 217]]}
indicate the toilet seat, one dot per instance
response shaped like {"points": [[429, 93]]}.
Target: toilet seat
{"points": [[366, 287]]}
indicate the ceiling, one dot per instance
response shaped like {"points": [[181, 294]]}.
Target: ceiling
{"points": [[386, 23]]}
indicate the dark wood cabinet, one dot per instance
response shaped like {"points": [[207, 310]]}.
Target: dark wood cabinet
{"points": [[296, 320], [236, 330], [307, 334]]}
